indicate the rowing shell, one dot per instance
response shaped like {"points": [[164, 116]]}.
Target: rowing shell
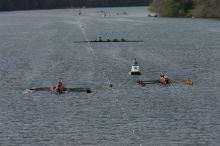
{"points": [[52, 89], [107, 41], [143, 83]]}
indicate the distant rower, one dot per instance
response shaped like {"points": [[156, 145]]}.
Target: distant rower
{"points": [[59, 87]]}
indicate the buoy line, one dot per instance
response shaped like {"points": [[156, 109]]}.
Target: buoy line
{"points": [[91, 49], [117, 101]]}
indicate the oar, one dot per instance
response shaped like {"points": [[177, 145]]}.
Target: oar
{"points": [[143, 83], [148, 82], [156, 82], [152, 81], [188, 81], [40, 89], [87, 90], [81, 41]]}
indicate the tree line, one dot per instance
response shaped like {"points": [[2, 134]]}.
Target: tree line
{"points": [[8, 5], [195, 8]]}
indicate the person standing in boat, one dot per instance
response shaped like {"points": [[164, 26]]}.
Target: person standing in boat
{"points": [[135, 62]]}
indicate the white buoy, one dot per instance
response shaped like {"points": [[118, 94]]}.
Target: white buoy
{"points": [[135, 69]]}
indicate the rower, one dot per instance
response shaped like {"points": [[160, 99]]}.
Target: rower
{"points": [[164, 79], [100, 39], [108, 39], [96, 40], [115, 40], [161, 79], [167, 80], [59, 87], [122, 40]]}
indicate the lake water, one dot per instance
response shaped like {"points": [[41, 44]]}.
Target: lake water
{"points": [[37, 50]]}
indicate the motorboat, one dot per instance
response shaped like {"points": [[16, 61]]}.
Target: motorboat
{"points": [[135, 69], [152, 15]]}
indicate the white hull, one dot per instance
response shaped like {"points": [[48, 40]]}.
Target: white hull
{"points": [[135, 70]]}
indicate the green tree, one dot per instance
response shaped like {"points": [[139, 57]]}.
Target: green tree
{"points": [[206, 8], [167, 8]]}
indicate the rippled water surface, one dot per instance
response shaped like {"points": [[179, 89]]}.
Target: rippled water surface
{"points": [[37, 49]]}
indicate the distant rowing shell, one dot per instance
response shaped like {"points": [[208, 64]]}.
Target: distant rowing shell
{"points": [[87, 90], [119, 41]]}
